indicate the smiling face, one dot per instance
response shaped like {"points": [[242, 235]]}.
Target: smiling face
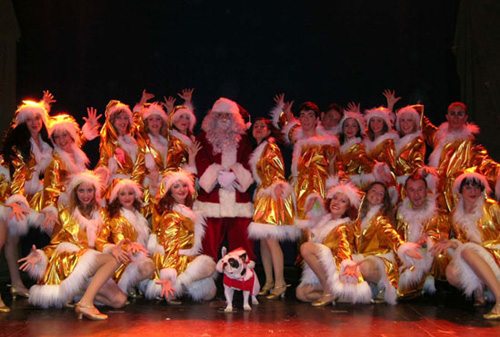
{"points": [[471, 193], [350, 128], [377, 125], [182, 123], [417, 192], [407, 124], [375, 195], [154, 123], [85, 194], [260, 131], [62, 139], [126, 197], [339, 205], [180, 191], [308, 120], [34, 124], [121, 123]]}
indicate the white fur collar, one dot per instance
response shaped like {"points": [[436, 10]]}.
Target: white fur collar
{"points": [[129, 145], [350, 143], [254, 159], [77, 162], [139, 223], [325, 226], [371, 145], [183, 138], [315, 141], [443, 137], [43, 155], [369, 216], [416, 218], [468, 221], [405, 140], [91, 226]]}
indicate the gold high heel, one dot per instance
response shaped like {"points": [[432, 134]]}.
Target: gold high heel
{"points": [[494, 314], [277, 292], [324, 300], [266, 288], [89, 312], [15, 292], [3, 307]]}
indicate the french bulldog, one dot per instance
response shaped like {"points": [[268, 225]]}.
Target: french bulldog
{"points": [[239, 274]]}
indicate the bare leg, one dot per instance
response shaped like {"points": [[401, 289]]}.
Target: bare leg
{"points": [[369, 271], [484, 272], [12, 255], [105, 266], [308, 293], [277, 258], [3, 235], [110, 294], [267, 264]]}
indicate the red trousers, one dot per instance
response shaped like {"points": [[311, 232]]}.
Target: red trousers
{"points": [[236, 230]]}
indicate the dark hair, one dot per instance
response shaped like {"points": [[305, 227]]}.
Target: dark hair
{"points": [[386, 202], [336, 107], [74, 202], [115, 206], [19, 137], [415, 176], [342, 137], [371, 134], [471, 181], [351, 211], [274, 132], [309, 106], [167, 202]]}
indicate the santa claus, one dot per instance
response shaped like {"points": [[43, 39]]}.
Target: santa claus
{"points": [[224, 178]]}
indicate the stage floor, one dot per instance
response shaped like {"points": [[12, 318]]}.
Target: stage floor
{"points": [[444, 315]]}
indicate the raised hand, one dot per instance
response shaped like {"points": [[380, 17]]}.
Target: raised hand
{"points": [[93, 119], [186, 95], [145, 97], [194, 149], [287, 109], [391, 98], [48, 98], [279, 99], [354, 107], [29, 262], [169, 103]]}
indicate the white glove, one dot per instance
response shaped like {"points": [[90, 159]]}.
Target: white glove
{"points": [[227, 180]]}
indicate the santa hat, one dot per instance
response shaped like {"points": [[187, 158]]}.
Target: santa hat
{"points": [[65, 122], [172, 177], [470, 176], [408, 111], [87, 177], [115, 106], [345, 187], [226, 105], [154, 109], [31, 109], [180, 110], [356, 116], [381, 112], [119, 184]]}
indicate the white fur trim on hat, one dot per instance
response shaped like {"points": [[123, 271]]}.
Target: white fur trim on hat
{"points": [[350, 191], [410, 111], [471, 175], [115, 106], [184, 110], [153, 109], [225, 105], [356, 116], [125, 183], [65, 122], [381, 112], [29, 109], [86, 177], [170, 178]]}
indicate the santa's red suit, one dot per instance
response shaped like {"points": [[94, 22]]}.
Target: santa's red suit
{"points": [[228, 211]]}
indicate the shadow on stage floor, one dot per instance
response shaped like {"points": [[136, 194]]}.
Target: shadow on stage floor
{"points": [[446, 314]]}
